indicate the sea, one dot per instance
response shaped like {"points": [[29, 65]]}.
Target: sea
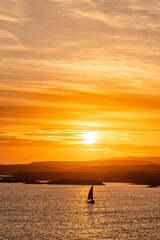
{"points": [[50, 212]]}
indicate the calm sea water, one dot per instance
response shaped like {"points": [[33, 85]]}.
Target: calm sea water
{"points": [[45, 212]]}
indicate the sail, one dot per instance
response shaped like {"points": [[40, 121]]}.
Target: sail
{"points": [[90, 194]]}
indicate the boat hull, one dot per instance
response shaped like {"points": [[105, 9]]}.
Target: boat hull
{"points": [[91, 201]]}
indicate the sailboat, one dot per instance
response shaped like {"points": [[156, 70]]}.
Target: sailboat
{"points": [[90, 196]]}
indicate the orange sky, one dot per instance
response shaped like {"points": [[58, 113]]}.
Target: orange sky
{"points": [[71, 67]]}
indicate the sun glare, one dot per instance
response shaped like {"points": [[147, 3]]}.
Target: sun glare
{"points": [[90, 137]]}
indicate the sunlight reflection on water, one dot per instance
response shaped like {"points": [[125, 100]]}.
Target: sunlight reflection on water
{"points": [[45, 212]]}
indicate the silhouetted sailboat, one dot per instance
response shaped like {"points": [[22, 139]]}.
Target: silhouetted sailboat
{"points": [[90, 196]]}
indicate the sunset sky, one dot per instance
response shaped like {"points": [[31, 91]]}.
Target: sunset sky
{"points": [[69, 68]]}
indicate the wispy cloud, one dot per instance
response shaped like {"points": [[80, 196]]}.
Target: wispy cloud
{"points": [[8, 35], [98, 16], [9, 19]]}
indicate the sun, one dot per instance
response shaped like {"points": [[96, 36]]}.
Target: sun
{"points": [[89, 137]]}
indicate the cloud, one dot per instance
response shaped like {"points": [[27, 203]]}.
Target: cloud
{"points": [[84, 65], [97, 15], [75, 107], [12, 11], [8, 35], [9, 19]]}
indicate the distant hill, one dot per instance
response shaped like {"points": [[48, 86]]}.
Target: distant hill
{"points": [[78, 165], [134, 170]]}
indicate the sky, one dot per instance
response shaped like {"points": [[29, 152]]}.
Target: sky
{"points": [[76, 68]]}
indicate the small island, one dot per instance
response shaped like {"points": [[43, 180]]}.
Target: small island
{"points": [[151, 186], [76, 182], [67, 182]]}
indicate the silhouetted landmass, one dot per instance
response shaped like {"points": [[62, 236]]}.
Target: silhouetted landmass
{"points": [[77, 165], [11, 169], [76, 182], [54, 176], [152, 186], [145, 178], [7, 179], [134, 170], [67, 182]]}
